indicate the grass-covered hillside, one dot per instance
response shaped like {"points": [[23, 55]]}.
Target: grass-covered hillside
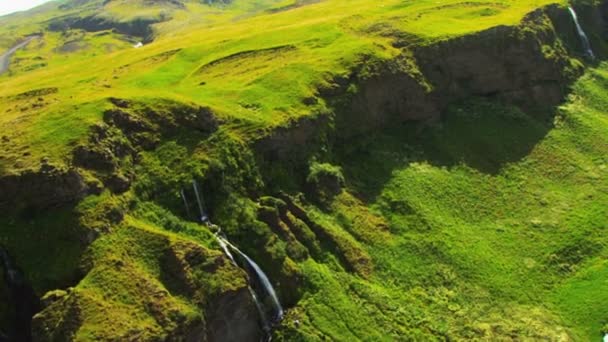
{"points": [[401, 170], [257, 69]]}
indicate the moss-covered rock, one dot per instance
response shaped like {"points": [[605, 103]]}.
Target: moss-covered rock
{"points": [[143, 284]]}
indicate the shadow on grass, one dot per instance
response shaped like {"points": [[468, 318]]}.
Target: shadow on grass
{"points": [[46, 248], [479, 134]]}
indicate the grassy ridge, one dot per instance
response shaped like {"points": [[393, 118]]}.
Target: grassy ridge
{"points": [[259, 69]]}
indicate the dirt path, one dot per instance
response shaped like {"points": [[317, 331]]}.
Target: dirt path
{"points": [[5, 58]]}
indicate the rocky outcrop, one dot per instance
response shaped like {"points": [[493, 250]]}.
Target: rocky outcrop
{"points": [[526, 66], [231, 319], [288, 141], [305, 236], [47, 187], [130, 128], [189, 276], [138, 27], [230, 313]]}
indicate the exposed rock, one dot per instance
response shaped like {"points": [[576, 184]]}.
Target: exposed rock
{"points": [[188, 273], [285, 143], [525, 65], [268, 212], [139, 27], [230, 313], [352, 256], [118, 183], [231, 319], [132, 127], [21, 297], [45, 188], [201, 119]]}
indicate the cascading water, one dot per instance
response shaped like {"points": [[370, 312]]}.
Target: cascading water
{"points": [[225, 248], [257, 270], [258, 304], [260, 275], [582, 35], [183, 194], [203, 217]]}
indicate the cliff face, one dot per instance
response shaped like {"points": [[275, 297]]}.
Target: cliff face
{"points": [[191, 279], [526, 65], [529, 66], [189, 292]]}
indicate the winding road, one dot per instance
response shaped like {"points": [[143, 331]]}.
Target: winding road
{"points": [[5, 58]]}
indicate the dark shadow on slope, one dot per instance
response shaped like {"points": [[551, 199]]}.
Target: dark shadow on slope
{"points": [[22, 300], [478, 133], [40, 250]]}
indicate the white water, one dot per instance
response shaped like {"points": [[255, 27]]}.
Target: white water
{"points": [[258, 305], [582, 34], [261, 275], [226, 246], [183, 194], [204, 217]]}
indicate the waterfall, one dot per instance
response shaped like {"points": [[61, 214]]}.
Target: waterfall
{"points": [[258, 304], [183, 194], [226, 247], [260, 274], [582, 34], [203, 217]]}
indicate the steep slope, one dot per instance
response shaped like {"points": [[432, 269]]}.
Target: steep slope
{"points": [[400, 170]]}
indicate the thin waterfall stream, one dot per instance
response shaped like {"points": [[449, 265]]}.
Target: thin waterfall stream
{"points": [[251, 267], [582, 35], [183, 195], [261, 276]]}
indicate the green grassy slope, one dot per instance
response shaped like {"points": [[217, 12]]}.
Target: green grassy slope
{"points": [[489, 225], [258, 69], [496, 229]]}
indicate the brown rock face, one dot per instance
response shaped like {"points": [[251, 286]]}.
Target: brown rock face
{"points": [[42, 189], [202, 277], [230, 313], [526, 67], [230, 318]]}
